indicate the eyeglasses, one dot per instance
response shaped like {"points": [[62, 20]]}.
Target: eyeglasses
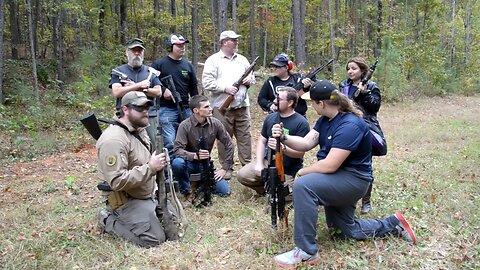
{"points": [[139, 108], [234, 40]]}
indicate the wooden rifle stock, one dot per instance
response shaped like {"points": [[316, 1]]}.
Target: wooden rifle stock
{"points": [[237, 84]]}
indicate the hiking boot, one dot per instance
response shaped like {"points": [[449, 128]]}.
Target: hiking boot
{"points": [[296, 258], [102, 219], [228, 175], [366, 207], [404, 230]]}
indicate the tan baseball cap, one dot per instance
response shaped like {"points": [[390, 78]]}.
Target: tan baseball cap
{"points": [[136, 98]]}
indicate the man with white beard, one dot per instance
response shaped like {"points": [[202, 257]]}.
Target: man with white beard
{"points": [[135, 76]]}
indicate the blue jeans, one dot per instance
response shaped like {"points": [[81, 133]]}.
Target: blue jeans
{"points": [[183, 168], [169, 118], [338, 192]]}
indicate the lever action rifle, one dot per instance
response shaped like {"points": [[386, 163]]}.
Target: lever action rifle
{"points": [[167, 81], [237, 84], [366, 78], [299, 85], [207, 178]]}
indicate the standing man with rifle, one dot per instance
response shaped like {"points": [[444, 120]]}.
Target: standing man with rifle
{"points": [[283, 76], [193, 145], [125, 163], [135, 76], [178, 76], [220, 73]]}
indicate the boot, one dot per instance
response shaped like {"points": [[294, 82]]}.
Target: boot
{"points": [[366, 205]]}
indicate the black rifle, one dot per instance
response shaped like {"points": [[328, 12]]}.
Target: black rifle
{"points": [[207, 179], [167, 81], [311, 75], [367, 77]]}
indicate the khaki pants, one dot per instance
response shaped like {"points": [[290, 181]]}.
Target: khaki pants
{"points": [[247, 177], [237, 122]]}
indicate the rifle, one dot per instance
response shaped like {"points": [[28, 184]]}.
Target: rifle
{"points": [[207, 179], [168, 82], [367, 77], [237, 84], [299, 85]]}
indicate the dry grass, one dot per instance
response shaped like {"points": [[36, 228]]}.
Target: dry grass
{"points": [[430, 173]]}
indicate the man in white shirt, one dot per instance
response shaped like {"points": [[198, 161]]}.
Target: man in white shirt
{"points": [[220, 72]]}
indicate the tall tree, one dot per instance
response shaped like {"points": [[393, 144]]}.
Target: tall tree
{"points": [[265, 37], [173, 12], [234, 15], [123, 20], [298, 7], [14, 28], [101, 22], [378, 43], [332, 37], [452, 31], [468, 14], [222, 15], [57, 26], [253, 53], [2, 19], [32, 49], [195, 34], [156, 19]]}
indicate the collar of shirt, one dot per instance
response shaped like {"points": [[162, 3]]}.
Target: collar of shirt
{"points": [[196, 123], [225, 56]]}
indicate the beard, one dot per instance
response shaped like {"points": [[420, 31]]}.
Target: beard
{"points": [[138, 121], [135, 61]]}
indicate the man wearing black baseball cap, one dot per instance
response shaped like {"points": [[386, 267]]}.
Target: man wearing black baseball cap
{"points": [[135, 76], [178, 77], [339, 178]]}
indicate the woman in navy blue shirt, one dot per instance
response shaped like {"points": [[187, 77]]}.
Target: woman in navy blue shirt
{"points": [[339, 178]]}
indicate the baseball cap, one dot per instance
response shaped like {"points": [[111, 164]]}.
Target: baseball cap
{"points": [[177, 39], [228, 34], [135, 42], [280, 60], [320, 90], [135, 98]]}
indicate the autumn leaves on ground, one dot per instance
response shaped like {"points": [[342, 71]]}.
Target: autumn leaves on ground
{"points": [[431, 173]]}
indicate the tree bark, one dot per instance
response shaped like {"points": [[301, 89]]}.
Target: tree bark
{"points": [[265, 36], [222, 15], [378, 46], [123, 20], [298, 8], [2, 19], [195, 34], [332, 37], [452, 44], [234, 15], [58, 42], [173, 11], [253, 52], [468, 13], [101, 23], [14, 29], [32, 50]]}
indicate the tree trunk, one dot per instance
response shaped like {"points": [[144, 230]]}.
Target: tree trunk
{"points": [[32, 50], [222, 15], [234, 15], [36, 19], [58, 43], [265, 36], [215, 22], [390, 13], [195, 34], [378, 43], [298, 8], [253, 53], [2, 19], [14, 29], [355, 39], [123, 20], [468, 13], [452, 44], [173, 11], [332, 37], [101, 23], [156, 41]]}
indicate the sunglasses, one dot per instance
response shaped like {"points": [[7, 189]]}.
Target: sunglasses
{"points": [[139, 108]]}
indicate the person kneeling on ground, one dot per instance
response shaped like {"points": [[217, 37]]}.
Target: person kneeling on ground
{"points": [[200, 126], [125, 162], [293, 124], [339, 178]]}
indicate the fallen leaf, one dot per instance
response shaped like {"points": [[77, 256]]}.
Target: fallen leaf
{"points": [[226, 230]]}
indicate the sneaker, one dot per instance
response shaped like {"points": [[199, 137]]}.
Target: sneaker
{"points": [[404, 229], [228, 175], [101, 220], [296, 258], [366, 207]]}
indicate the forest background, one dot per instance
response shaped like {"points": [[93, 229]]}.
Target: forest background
{"points": [[57, 55]]}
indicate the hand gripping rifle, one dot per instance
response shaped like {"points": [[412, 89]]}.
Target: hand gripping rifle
{"points": [[299, 85], [207, 179], [167, 81], [367, 77], [237, 84]]}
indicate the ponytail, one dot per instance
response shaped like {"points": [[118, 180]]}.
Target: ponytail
{"points": [[345, 105]]}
